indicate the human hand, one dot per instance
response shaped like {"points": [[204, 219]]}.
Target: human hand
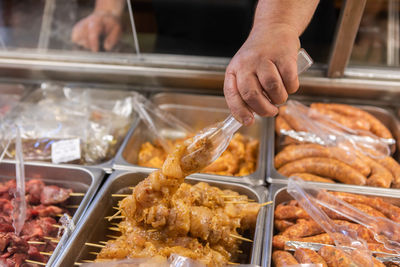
{"points": [[88, 31], [262, 73]]}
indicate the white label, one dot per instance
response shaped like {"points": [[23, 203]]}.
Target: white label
{"points": [[65, 150]]}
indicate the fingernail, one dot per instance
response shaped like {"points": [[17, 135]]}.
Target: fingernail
{"points": [[247, 121]]}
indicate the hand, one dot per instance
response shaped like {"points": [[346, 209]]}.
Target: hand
{"points": [[88, 31], [262, 73]]}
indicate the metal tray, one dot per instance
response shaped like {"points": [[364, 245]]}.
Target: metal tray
{"points": [[80, 179], [37, 95], [94, 227], [384, 113], [197, 111], [278, 194]]}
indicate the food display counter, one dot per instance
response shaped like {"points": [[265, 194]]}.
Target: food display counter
{"points": [[50, 79]]}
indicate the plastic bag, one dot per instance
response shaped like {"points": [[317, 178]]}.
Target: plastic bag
{"points": [[65, 125], [158, 261], [344, 237], [161, 124], [311, 126]]}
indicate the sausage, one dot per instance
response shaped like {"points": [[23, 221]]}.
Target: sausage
{"points": [[377, 263], [330, 168], [346, 121], [377, 127], [304, 255], [288, 212], [278, 241], [282, 225], [292, 121], [389, 210], [282, 259], [296, 152], [368, 210], [378, 247], [303, 228], [394, 167], [335, 257], [380, 176], [311, 177], [281, 124], [362, 231]]}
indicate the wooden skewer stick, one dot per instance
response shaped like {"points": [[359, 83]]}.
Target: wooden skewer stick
{"points": [[112, 236], [94, 245], [241, 238], [239, 251], [114, 229], [72, 206], [236, 202], [266, 203], [233, 263], [120, 195], [87, 261], [78, 263], [152, 230], [46, 253], [56, 226], [103, 242], [114, 215], [77, 194], [94, 253], [52, 239], [36, 262], [36, 242], [116, 208]]}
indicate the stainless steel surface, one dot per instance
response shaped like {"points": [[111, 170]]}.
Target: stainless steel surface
{"points": [[278, 194], [197, 111], [346, 31], [384, 111], [93, 228], [80, 179]]}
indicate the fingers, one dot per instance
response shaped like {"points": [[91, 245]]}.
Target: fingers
{"points": [[252, 94], [94, 32], [287, 68], [78, 35], [113, 35], [271, 82], [238, 107]]}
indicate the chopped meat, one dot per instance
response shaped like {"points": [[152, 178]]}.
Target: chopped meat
{"points": [[46, 211], [33, 190], [54, 195]]}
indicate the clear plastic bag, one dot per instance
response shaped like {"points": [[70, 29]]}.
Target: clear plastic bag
{"points": [[346, 239], [311, 126], [72, 125]]}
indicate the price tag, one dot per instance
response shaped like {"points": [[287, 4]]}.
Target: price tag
{"points": [[65, 150]]}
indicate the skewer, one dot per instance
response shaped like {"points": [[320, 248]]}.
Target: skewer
{"points": [[114, 224], [94, 245], [116, 208], [152, 230], [72, 206], [236, 202], [114, 229], [56, 226], [103, 242], [112, 236], [78, 263], [94, 253], [46, 253], [233, 263], [239, 251], [120, 195], [36, 242], [241, 238], [52, 239], [36, 262], [114, 215], [76, 194], [87, 261]]}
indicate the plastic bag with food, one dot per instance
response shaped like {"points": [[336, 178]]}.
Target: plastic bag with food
{"points": [[345, 127], [72, 125], [351, 245]]}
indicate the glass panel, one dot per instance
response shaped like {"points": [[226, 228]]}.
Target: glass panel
{"points": [[377, 42]]}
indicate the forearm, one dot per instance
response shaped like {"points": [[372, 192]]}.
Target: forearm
{"points": [[296, 14], [114, 7]]}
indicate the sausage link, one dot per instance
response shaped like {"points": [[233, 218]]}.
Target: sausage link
{"points": [[346, 121], [377, 263], [304, 255], [293, 153], [282, 258], [368, 210], [287, 212], [282, 225], [311, 177], [377, 127], [330, 168], [362, 232], [303, 228], [378, 247], [281, 124], [335, 257], [292, 121], [380, 176], [278, 241], [394, 167]]}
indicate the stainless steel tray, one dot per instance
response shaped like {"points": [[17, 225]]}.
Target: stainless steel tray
{"points": [[93, 228], [80, 179], [385, 114], [106, 165], [197, 111], [278, 194]]}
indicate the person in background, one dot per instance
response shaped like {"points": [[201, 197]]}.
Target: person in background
{"points": [[260, 75]]}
